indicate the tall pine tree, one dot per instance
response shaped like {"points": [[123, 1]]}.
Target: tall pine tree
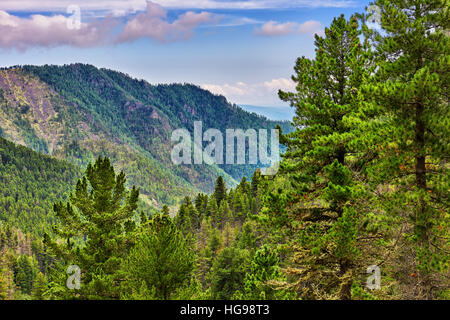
{"points": [[160, 263], [318, 159], [97, 228], [220, 191], [411, 89]]}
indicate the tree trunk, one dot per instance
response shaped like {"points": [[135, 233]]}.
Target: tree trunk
{"points": [[345, 289], [421, 183]]}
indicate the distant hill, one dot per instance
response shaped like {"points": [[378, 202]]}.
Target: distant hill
{"points": [[77, 112], [30, 183]]}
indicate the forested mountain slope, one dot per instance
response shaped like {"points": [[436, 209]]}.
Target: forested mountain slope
{"points": [[30, 184], [78, 112]]}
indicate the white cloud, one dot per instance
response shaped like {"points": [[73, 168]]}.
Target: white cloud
{"points": [[232, 21], [140, 5], [38, 30], [61, 5], [50, 31], [153, 24], [254, 4], [261, 94], [310, 27], [274, 29]]}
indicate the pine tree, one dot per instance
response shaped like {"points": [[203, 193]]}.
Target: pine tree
{"points": [[193, 292], [7, 260], [220, 191], [248, 238], [228, 272], [39, 287], [212, 209], [256, 179], [223, 215], [264, 269], [201, 203], [4, 286], [24, 273], [228, 235], [317, 159], [161, 259], [187, 219], [100, 214], [411, 89]]}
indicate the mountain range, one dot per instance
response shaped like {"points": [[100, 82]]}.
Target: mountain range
{"points": [[78, 112]]}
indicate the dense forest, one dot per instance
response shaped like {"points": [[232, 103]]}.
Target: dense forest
{"points": [[31, 183], [363, 185], [78, 112]]}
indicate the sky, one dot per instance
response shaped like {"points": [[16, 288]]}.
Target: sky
{"points": [[242, 49]]}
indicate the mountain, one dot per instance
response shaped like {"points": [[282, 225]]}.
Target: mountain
{"points": [[31, 182], [77, 112]]}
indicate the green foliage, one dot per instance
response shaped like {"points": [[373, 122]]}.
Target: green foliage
{"points": [[131, 114], [161, 261], [97, 227], [228, 272], [343, 233], [31, 183], [317, 159], [422, 84], [39, 287], [265, 269], [363, 181], [4, 286], [193, 292], [25, 273], [220, 192], [410, 91]]}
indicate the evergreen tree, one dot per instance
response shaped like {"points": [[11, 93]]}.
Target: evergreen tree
{"points": [[161, 260], [220, 192], [318, 152], [250, 237], [187, 219], [214, 243], [212, 209], [24, 273], [201, 204], [265, 268], [7, 286], [223, 215], [39, 287], [228, 235], [256, 179], [410, 89], [99, 215], [228, 272], [4, 285], [193, 292]]}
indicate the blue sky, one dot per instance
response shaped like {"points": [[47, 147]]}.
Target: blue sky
{"points": [[245, 50]]}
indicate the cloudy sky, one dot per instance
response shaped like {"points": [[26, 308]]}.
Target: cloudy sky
{"points": [[243, 49]]}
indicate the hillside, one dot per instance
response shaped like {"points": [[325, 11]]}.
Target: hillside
{"points": [[31, 183], [78, 112]]}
